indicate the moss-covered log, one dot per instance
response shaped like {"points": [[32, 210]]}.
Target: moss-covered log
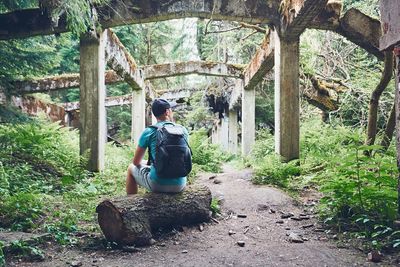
{"points": [[130, 220]]}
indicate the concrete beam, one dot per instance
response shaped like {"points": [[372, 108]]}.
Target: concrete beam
{"points": [[113, 101], [296, 16], [120, 60], [287, 107], [109, 102], [192, 67], [59, 82], [178, 93], [93, 129], [354, 25], [261, 63], [31, 22]]}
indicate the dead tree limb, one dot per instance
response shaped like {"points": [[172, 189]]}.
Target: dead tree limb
{"points": [[389, 130], [376, 94], [323, 94]]}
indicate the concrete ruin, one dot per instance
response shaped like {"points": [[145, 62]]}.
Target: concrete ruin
{"points": [[280, 49]]}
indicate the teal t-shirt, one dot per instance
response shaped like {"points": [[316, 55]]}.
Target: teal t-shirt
{"points": [[148, 141]]}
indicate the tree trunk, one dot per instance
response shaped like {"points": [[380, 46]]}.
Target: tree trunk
{"points": [[397, 68], [374, 101], [389, 130], [130, 220]]}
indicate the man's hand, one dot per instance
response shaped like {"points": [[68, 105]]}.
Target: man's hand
{"points": [[137, 159]]}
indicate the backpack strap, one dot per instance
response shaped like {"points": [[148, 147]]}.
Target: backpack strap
{"points": [[149, 150], [157, 128]]}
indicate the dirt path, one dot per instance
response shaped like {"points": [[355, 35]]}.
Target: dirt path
{"points": [[266, 241]]}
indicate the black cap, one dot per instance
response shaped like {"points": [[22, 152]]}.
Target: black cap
{"points": [[160, 105]]}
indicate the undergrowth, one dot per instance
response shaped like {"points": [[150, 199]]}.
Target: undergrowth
{"points": [[206, 156], [45, 188], [360, 192]]}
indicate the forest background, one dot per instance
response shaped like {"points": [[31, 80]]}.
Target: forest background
{"points": [[39, 161]]}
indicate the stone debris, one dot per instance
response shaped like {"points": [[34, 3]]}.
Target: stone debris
{"points": [[231, 232], [76, 263], [319, 230], [287, 215], [212, 177], [185, 251], [241, 243], [242, 216], [375, 256], [304, 217], [307, 226], [295, 238], [217, 181], [272, 211], [280, 222], [201, 228], [262, 207]]}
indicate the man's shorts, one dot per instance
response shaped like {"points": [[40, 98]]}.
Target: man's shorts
{"points": [[141, 175]]}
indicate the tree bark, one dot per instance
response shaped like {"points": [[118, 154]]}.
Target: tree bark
{"points": [[376, 94], [397, 68], [130, 220], [389, 130]]}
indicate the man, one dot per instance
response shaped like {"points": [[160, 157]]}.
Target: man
{"points": [[144, 175]]}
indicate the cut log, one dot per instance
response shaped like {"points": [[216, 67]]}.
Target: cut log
{"points": [[130, 220]]}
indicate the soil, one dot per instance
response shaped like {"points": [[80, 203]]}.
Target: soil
{"points": [[249, 232]]}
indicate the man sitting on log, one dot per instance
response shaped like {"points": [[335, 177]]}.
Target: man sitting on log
{"points": [[169, 158]]}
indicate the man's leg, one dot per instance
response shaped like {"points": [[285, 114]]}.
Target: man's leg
{"points": [[131, 185]]}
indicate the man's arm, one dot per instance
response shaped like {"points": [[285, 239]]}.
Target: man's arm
{"points": [[139, 154]]}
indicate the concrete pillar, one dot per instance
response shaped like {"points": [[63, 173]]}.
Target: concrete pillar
{"points": [[224, 134], [248, 120], [287, 114], [93, 128], [138, 114], [233, 132], [215, 133]]}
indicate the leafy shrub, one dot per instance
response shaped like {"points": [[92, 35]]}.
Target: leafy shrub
{"points": [[273, 171], [20, 211], [215, 207], [205, 155], [62, 224], [268, 167], [39, 151], [360, 194], [36, 158]]}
